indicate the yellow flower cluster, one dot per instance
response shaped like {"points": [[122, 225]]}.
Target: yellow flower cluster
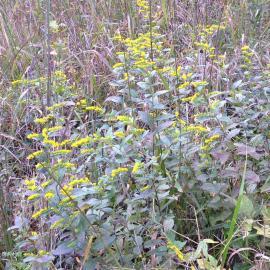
{"points": [[196, 128], [207, 142], [57, 224], [44, 120], [48, 195], [117, 171], [125, 119], [176, 250], [33, 136], [191, 99], [143, 7], [79, 181], [35, 154], [39, 213], [95, 109], [119, 134], [33, 197], [31, 184], [80, 142], [137, 166], [247, 54]]}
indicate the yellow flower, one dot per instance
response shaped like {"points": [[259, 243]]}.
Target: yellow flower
{"points": [[124, 118], [66, 190], [87, 151], [198, 128], [33, 136], [136, 167], [49, 195], [51, 142], [117, 171], [30, 182], [39, 213], [54, 129], [77, 182], [44, 120], [119, 134], [45, 184], [94, 108], [81, 142], [212, 139], [117, 65], [35, 154], [33, 197], [177, 251], [57, 224]]}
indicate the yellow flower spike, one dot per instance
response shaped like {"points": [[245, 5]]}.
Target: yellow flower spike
{"points": [[45, 184], [54, 129], [30, 182], [119, 134], [39, 213], [118, 171], [57, 224], [136, 167], [212, 139], [35, 154], [33, 136], [33, 197], [198, 128], [95, 109], [44, 120], [80, 142], [176, 250], [48, 195]]}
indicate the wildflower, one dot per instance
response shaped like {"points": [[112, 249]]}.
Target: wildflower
{"points": [[45, 184], [55, 106], [54, 129], [212, 139], [117, 65], [30, 182], [87, 151], [51, 142], [57, 224], [138, 131], [117, 171], [177, 251], [119, 134], [136, 167], [94, 108], [125, 119], [77, 182], [42, 252], [81, 142], [49, 195], [145, 188], [44, 120], [35, 154], [183, 85], [39, 213], [33, 197], [65, 142], [198, 128], [66, 190], [186, 76], [33, 136]]}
